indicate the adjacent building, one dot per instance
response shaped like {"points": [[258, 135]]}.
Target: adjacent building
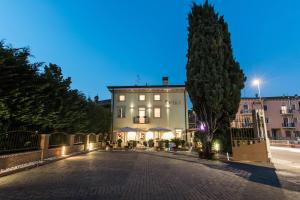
{"points": [[282, 115], [149, 112]]}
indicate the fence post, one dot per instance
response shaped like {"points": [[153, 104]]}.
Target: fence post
{"points": [[87, 142], [44, 144], [97, 141], [71, 138]]}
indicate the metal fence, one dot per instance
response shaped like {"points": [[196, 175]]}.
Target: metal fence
{"points": [[79, 139], [18, 141], [245, 130], [57, 139]]}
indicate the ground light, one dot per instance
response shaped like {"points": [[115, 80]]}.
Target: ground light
{"points": [[91, 146], [63, 150]]}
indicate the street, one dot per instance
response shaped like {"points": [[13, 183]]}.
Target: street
{"points": [[145, 175], [286, 159]]}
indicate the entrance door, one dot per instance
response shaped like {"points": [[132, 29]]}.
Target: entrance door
{"points": [[142, 115], [274, 134]]}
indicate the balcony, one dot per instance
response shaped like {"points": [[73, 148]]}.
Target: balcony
{"points": [[245, 112], [288, 125], [286, 112], [141, 120]]}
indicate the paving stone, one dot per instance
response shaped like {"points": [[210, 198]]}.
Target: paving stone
{"points": [[139, 175]]}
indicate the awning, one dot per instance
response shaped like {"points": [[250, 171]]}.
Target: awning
{"points": [[126, 129], [160, 129], [129, 129]]}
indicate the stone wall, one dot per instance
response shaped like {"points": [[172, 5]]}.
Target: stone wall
{"points": [[11, 160], [245, 150], [15, 159]]}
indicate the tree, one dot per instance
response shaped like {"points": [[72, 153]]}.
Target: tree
{"points": [[43, 100], [214, 78]]}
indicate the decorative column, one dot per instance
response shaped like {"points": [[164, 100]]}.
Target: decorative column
{"points": [[97, 141], [87, 142], [44, 145], [71, 138]]}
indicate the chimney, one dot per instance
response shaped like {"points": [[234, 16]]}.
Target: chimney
{"points": [[165, 80]]}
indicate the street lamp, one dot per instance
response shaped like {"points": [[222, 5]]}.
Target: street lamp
{"points": [[256, 82]]}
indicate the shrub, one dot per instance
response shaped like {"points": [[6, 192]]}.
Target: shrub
{"points": [[151, 143], [166, 143], [145, 143], [176, 141], [119, 141]]}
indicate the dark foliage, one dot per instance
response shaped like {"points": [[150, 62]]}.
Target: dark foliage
{"points": [[214, 77]]}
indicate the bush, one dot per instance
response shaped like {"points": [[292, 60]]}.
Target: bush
{"points": [[176, 141], [166, 143], [182, 142], [151, 143], [145, 143], [119, 141]]}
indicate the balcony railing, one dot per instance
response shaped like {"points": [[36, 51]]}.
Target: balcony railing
{"points": [[245, 111], [288, 125], [141, 120], [286, 112]]}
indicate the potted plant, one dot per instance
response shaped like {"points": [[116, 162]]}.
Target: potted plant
{"points": [[145, 143], [119, 141], [151, 143], [177, 142]]}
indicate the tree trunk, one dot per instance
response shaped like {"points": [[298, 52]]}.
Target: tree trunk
{"points": [[206, 147]]}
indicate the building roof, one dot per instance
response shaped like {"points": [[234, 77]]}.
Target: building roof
{"points": [[145, 86], [272, 98], [105, 102]]}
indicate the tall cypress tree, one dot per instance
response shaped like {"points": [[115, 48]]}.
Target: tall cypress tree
{"points": [[214, 77]]}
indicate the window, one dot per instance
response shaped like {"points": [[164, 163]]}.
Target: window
{"points": [[288, 134], [245, 107], [297, 134], [283, 109], [121, 112], [267, 120], [178, 133], [265, 107], [142, 97], [295, 120], [156, 112], [122, 97], [157, 97], [293, 107]]}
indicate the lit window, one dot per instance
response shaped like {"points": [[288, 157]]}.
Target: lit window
{"points": [[157, 97], [142, 97], [283, 110], [178, 133], [156, 112], [121, 112], [121, 97]]}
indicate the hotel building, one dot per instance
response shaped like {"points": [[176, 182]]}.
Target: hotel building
{"points": [[282, 115], [141, 113]]}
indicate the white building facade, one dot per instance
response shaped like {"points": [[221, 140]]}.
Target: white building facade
{"points": [[143, 113]]}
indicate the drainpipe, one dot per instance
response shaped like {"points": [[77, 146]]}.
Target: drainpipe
{"points": [[112, 113], [186, 136]]}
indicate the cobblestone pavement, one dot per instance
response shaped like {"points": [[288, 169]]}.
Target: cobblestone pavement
{"points": [[142, 175]]}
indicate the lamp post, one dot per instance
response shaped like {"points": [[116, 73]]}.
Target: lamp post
{"points": [[256, 82]]}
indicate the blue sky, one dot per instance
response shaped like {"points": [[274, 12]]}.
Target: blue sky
{"points": [[101, 42]]}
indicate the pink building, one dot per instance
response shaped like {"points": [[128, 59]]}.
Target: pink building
{"points": [[282, 115]]}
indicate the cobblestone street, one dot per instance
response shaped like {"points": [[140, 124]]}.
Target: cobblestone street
{"points": [[144, 175]]}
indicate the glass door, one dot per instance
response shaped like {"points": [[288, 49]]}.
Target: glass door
{"points": [[142, 115]]}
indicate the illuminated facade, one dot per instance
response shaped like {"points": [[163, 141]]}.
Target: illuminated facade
{"points": [[142, 113]]}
